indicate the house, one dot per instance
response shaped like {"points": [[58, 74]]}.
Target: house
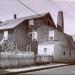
{"points": [[53, 44], [38, 34], [17, 34]]}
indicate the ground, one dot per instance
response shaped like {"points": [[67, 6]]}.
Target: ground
{"points": [[59, 70]]}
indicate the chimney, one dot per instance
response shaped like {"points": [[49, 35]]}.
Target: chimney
{"points": [[0, 21], [60, 21], [15, 16]]}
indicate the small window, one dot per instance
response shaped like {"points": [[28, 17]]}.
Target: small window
{"points": [[34, 35], [70, 52], [45, 50], [51, 35], [5, 36], [31, 23]]}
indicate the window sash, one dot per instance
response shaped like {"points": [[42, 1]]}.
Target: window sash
{"points": [[34, 35]]}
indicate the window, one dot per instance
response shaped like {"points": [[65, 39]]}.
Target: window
{"points": [[34, 35], [31, 23], [5, 35], [51, 35], [45, 50]]}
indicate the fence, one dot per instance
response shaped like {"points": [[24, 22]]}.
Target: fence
{"points": [[22, 59], [44, 59], [16, 59]]}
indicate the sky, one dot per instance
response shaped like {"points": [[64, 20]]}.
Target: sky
{"points": [[10, 7]]}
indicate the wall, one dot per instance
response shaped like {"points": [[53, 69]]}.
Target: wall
{"points": [[63, 51], [20, 35], [43, 33], [50, 49]]}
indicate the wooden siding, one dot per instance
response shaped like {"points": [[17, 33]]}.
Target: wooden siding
{"points": [[11, 35], [20, 35], [1, 35], [43, 33]]}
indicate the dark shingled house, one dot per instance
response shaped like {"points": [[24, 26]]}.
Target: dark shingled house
{"points": [[20, 32]]}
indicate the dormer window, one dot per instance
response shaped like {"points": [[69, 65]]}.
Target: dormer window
{"points": [[31, 22], [51, 35]]}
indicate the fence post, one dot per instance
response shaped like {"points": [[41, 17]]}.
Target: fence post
{"points": [[52, 58]]}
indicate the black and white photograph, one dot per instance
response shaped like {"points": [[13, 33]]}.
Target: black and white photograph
{"points": [[37, 37]]}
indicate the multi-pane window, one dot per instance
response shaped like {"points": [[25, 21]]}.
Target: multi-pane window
{"points": [[51, 35], [34, 35]]}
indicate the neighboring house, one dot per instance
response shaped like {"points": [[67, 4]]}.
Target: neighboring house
{"points": [[53, 42], [20, 32]]}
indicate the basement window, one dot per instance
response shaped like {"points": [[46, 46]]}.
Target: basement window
{"points": [[5, 35]]}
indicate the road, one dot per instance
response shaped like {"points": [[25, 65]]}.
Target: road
{"points": [[59, 70]]}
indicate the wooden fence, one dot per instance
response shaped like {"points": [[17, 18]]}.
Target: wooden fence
{"points": [[16, 59], [44, 59]]}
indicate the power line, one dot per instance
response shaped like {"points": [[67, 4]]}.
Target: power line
{"points": [[27, 7]]}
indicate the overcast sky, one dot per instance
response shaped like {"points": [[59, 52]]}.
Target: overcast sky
{"points": [[10, 7]]}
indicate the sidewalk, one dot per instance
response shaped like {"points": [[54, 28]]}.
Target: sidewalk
{"points": [[29, 69]]}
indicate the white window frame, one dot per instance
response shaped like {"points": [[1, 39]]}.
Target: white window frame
{"points": [[34, 35], [31, 22]]}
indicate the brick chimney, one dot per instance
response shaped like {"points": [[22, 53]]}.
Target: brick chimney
{"points": [[60, 21]]}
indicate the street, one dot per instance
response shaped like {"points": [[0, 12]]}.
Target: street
{"points": [[59, 70]]}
